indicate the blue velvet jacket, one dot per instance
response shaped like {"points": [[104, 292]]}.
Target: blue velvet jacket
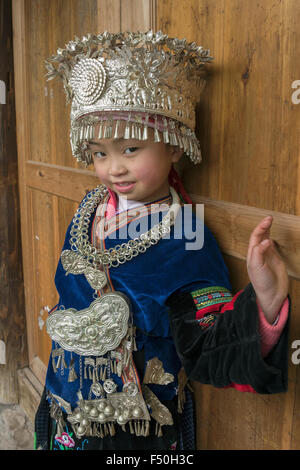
{"points": [[148, 280], [159, 284]]}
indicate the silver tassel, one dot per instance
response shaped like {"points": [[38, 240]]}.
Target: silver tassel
{"points": [[139, 127], [86, 132], [54, 365], [81, 134], [131, 428], [165, 132], [173, 137], [145, 131], [93, 131], [116, 134], [134, 130], [58, 364], [184, 140], [90, 136], [156, 133], [127, 129], [100, 130], [108, 130], [72, 374], [180, 143]]}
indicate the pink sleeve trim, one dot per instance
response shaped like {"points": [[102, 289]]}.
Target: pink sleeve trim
{"points": [[270, 334]]}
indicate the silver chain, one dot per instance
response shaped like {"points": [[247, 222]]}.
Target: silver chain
{"points": [[113, 257]]}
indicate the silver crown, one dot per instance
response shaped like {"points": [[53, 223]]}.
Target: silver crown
{"points": [[144, 74]]}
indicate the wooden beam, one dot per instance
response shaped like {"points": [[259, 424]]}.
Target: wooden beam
{"points": [[232, 225], [69, 183], [22, 127]]}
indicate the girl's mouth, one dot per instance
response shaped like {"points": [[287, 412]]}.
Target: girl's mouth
{"points": [[124, 187]]}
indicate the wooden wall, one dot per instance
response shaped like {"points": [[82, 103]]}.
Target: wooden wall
{"points": [[12, 310], [248, 128], [249, 132]]}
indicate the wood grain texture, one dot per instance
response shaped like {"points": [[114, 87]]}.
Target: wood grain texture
{"points": [[12, 311], [51, 181], [248, 126], [248, 129], [232, 225], [246, 121], [60, 180]]}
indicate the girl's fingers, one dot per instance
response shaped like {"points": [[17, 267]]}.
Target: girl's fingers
{"points": [[260, 233]]}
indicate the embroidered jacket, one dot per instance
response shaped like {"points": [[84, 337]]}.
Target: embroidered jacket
{"points": [[167, 285]]}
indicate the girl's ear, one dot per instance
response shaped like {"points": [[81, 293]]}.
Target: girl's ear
{"points": [[176, 153]]}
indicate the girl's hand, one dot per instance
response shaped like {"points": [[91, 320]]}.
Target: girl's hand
{"points": [[267, 270]]}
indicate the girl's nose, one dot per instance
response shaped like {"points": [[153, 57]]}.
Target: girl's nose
{"points": [[117, 168]]}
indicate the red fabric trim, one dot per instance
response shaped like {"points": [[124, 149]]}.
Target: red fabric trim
{"points": [[211, 309], [241, 388], [218, 308]]}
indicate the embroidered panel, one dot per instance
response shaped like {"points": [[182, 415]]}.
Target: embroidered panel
{"points": [[209, 300]]}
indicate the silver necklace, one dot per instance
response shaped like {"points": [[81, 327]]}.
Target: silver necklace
{"points": [[84, 258]]}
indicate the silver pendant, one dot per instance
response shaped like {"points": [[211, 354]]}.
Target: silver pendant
{"points": [[130, 388], [93, 331], [97, 389], [74, 263], [109, 386]]}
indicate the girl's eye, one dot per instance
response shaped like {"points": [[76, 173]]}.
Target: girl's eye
{"points": [[99, 154], [131, 149]]}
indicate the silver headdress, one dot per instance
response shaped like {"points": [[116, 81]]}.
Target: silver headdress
{"points": [[147, 79]]}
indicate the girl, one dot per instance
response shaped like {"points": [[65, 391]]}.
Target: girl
{"points": [[141, 312]]}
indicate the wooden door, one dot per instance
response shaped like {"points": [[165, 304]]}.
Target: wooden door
{"points": [[51, 181], [248, 127]]}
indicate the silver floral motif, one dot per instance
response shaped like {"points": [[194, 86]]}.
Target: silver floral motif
{"points": [[88, 81], [155, 373], [76, 264], [94, 330]]}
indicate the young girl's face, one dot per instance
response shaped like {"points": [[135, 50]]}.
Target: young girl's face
{"points": [[137, 169]]}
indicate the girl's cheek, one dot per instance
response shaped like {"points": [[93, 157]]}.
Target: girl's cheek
{"points": [[145, 173]]}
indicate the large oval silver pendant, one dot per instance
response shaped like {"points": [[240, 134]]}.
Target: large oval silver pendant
{"points": [[93, 331]]}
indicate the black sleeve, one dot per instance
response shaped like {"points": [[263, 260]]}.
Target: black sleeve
{"points": [[229, 350]]}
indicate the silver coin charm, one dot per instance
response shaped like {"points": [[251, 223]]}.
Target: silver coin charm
{"points": [[109, 386], [97, 389], [130, 388]]}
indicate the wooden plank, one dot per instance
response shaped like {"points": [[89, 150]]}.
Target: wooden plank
{"points": [[22, 126], [30, 392], [135, 22], [108, 16], [39, 370], [69, 183], [233, 223], [12, 312]]}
